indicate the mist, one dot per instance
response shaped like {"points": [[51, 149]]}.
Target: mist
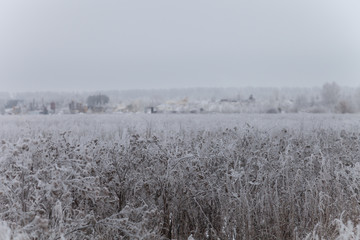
{"points": [[119, 45]]}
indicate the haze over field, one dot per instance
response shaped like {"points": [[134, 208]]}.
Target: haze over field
{"points": [[89, 45], [206, 119]]}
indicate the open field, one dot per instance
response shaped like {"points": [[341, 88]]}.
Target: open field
{"points": [[137, 176]]}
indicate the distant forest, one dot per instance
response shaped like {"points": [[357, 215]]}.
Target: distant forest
{"points": [[331, 97]]}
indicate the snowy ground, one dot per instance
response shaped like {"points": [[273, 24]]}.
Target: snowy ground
{"points": [[211, 176]]}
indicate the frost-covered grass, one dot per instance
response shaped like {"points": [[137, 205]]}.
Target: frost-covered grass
{"points": [[171, 176]]}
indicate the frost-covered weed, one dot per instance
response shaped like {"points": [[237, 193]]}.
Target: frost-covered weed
{"points": [[176, 177], [347, 231]]}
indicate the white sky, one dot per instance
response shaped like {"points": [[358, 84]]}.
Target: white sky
{"points": [[74, 45]]}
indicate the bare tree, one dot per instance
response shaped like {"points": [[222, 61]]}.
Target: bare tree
{"points": [[330, 94], [97, 100]]}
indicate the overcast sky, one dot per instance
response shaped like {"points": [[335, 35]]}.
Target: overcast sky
{"points": [[75, 45]]}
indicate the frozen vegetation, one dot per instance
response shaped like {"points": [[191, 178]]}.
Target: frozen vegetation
{"points": [[210, 176]]}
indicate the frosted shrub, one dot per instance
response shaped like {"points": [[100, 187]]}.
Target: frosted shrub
{"points": [[172, 177], [347, 231]]}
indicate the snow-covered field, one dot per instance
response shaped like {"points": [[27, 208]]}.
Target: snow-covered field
{"points": [[137, 176]]}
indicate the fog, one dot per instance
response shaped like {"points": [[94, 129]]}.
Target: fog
{"points": [[89, 45]]}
